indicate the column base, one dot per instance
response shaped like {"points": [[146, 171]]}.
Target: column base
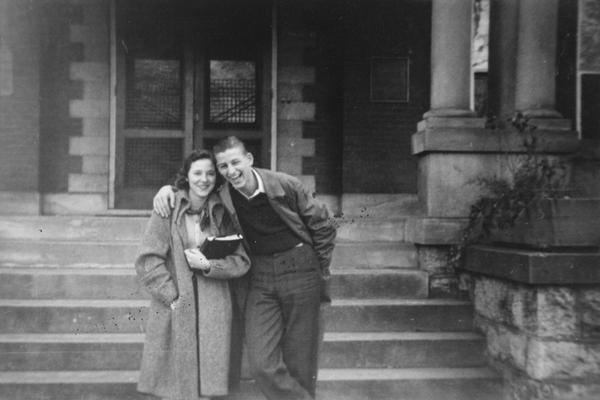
{"points": [[541, 113], [551, 124], [449, 112]]}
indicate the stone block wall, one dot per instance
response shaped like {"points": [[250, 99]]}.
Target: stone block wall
{"points": [[293, 75], [74, 106], [544, 339], [90, 183]]}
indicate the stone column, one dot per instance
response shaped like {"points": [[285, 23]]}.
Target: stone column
{"points": [[502, 62], [450, 58], [536, 59]]}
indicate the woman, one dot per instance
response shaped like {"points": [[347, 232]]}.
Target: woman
{"points": [[188, 335]]}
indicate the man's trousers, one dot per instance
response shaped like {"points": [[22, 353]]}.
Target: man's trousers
{"points": [[282, 323]]}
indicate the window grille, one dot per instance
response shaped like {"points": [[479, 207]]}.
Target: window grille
{"points": [[233, 92], [154, 94]]}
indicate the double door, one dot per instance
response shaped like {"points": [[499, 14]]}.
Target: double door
{"points": [[188, 74]]}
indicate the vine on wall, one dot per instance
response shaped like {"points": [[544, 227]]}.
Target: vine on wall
{"points": [[536, 177]]}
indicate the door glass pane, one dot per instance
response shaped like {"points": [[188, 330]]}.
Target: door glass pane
{"points": [[232, 97], [151, 162], [154, 94]]}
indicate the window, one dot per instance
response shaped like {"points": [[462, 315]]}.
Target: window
{"points": [[150, 39], [232, 97]]}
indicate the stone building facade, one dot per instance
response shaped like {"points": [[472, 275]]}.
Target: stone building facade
{"points": [[368, 102]]}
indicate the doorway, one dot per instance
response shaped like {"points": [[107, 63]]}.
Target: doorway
{"points": [[188, 74]]}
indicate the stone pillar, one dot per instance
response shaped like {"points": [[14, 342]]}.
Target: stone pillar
{"points": [[455, 150], [502, 61], [536, 59], [450, 58]]}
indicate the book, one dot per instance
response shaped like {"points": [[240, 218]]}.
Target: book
{"points": [[216, 247]]}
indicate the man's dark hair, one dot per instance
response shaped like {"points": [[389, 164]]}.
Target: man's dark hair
{"points": [[230, 142]]}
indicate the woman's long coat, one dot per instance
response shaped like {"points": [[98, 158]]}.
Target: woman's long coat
{"points": [[187, 350]]}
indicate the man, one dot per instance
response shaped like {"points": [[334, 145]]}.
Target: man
{"points": [[290, 239]]}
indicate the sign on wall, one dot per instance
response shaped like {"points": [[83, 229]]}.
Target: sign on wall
{"points": [[389, 79]]}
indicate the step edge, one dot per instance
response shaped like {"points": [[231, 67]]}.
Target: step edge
{"points": [[121, 270], [330, 337], [324, 375], [144, 303]]}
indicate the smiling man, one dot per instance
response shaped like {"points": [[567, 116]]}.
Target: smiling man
{"points": [[290, 239]]}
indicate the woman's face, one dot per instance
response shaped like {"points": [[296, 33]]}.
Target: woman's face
{"points": [[202, 177]]}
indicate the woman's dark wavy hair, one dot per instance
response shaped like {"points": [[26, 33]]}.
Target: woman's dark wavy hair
{"points": [[200, 154]]}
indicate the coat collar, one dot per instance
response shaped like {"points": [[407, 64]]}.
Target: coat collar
{"points": [[272, 187], [182, 203]]}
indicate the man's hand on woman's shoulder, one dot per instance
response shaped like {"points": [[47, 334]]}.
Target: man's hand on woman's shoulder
{"points": [[164, 201]]}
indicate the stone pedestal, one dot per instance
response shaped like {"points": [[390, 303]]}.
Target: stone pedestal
{"points": [[540, 312], [454, 155]]}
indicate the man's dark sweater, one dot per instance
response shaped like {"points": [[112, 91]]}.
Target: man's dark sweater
{"points": [[264, 229]]}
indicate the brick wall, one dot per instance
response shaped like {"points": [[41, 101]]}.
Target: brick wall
{"points": [[376, 141], [56, 90], [74, 107], [324, 93], [19, 107]]}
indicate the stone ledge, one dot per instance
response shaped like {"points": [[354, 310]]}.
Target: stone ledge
{"points": [[75, 203], [534, 267], [435, 231], [19, 202], [551, 223], [481, 140]]}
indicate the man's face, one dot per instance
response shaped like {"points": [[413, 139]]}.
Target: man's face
{"points": [[236, 167]]}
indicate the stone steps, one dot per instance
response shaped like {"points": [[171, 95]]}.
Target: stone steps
{"points": [[379, 205], [369, 228], [358, 226], [73, 315], [72, 228], [122, 283], [55, 253], [129, 316], [333, 384], [101, 351]]}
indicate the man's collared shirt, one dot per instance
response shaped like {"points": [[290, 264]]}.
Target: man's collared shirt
{"points": [[260, 189]]}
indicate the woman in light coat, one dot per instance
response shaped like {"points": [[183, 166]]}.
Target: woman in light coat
{"points": [[187, 350]]}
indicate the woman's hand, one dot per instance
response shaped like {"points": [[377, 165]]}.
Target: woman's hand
{"points": [[163, 201], [197, 260]]}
